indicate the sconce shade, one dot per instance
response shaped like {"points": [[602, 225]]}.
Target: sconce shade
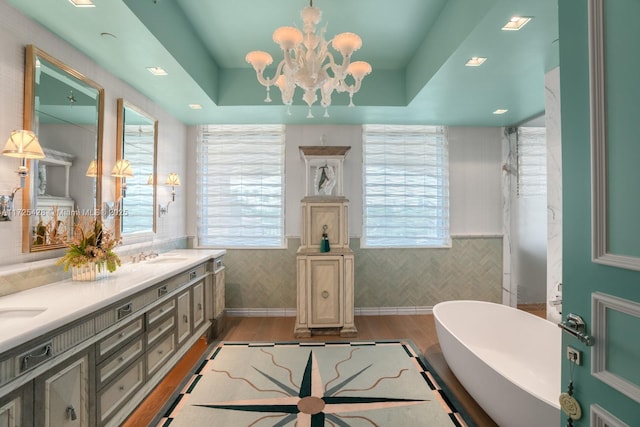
{"points": [[23, 144], [92, 170], [122, 169], [173, 180], [150, 180]]}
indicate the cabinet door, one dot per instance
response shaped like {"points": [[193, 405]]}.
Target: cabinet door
{"points": [[16, 409], [198, 304], [325, 294], [62, 394], [184, 316]]}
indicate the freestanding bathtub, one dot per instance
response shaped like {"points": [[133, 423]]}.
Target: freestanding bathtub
{"points": [[507, 359]]}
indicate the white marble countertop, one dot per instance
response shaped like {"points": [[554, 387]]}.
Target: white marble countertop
{"points": [[67, 300]]}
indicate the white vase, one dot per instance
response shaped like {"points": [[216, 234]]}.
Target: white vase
{"points": [[89, 272]]}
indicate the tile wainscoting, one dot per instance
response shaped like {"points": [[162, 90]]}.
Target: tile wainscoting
{"points": [[387, 281]]}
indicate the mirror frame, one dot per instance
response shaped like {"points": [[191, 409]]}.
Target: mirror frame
{"points": [[31, 54], [122, 104]]}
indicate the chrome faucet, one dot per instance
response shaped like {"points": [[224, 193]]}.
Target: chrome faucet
{"points": [[143, 256]]}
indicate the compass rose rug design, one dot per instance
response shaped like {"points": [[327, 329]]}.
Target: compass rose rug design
{"points": [[314, 384]]}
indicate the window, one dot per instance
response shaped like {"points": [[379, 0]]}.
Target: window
{"points": [[532, 161], [406, 187], [240, 186], [138, 148]]}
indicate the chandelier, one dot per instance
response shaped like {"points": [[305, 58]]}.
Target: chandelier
{"points": [[309, 64]]}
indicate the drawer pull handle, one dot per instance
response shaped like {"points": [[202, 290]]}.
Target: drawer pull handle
{"points": [[120, 359], [121, 335], [160, 352], [185, 318], [44, 355], [71, 413], [160, 329], [125, 310], [200, 306], [192, 275], [121, 388], [325, 294], [162, 291]]}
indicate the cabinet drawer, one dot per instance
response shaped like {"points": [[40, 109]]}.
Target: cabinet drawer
{"points": [[120, 390], [158, 312], [157, 355], [119, 337], [108, 369], [157, 331]]}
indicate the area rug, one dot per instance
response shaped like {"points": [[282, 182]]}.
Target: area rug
{"points": [[313, 384]]}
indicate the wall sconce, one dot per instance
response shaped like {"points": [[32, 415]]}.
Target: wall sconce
{"points": [[24, 145], [122, 170], [92, 170], [174, 181]]}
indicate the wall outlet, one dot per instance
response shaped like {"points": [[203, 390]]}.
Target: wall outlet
{"points": [[574, 355]]}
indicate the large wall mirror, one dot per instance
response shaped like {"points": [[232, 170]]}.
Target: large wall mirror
{"points": [[138, 140], [65, 110]]}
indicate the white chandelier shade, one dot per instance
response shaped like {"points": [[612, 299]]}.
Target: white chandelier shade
{"points": [[309, 64]]}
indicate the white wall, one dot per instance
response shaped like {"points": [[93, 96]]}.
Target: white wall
{"points": [[17, 31], [475, 179]]}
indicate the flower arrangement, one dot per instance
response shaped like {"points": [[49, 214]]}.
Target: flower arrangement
{"points": [[91, 243]]}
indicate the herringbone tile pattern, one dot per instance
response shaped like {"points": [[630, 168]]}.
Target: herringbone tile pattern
{"points": [[470, 269]]}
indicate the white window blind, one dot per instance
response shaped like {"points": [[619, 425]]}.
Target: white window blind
{"points": [[138, 148], [240, 186], [406, 186], [532, 161]]}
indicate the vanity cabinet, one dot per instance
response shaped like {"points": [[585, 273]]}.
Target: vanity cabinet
{"points": [[98, 369]]}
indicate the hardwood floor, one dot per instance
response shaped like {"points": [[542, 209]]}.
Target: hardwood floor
{"points": [[418, 328]]}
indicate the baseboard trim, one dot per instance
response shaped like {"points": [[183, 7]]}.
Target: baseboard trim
{"points": [[361, 311]]}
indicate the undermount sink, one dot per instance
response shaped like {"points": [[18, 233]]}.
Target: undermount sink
{"points": [[167, 259], [20, 312]]}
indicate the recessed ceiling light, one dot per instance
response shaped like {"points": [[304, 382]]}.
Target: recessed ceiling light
{"points": [[157, 71], [195, 106], [82, 3], [500, 111], [476, 61], [516, 22]]}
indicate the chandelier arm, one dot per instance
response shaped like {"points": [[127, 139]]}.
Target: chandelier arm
{"points": [[287, 59], [354, 88], [269, 81]]}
